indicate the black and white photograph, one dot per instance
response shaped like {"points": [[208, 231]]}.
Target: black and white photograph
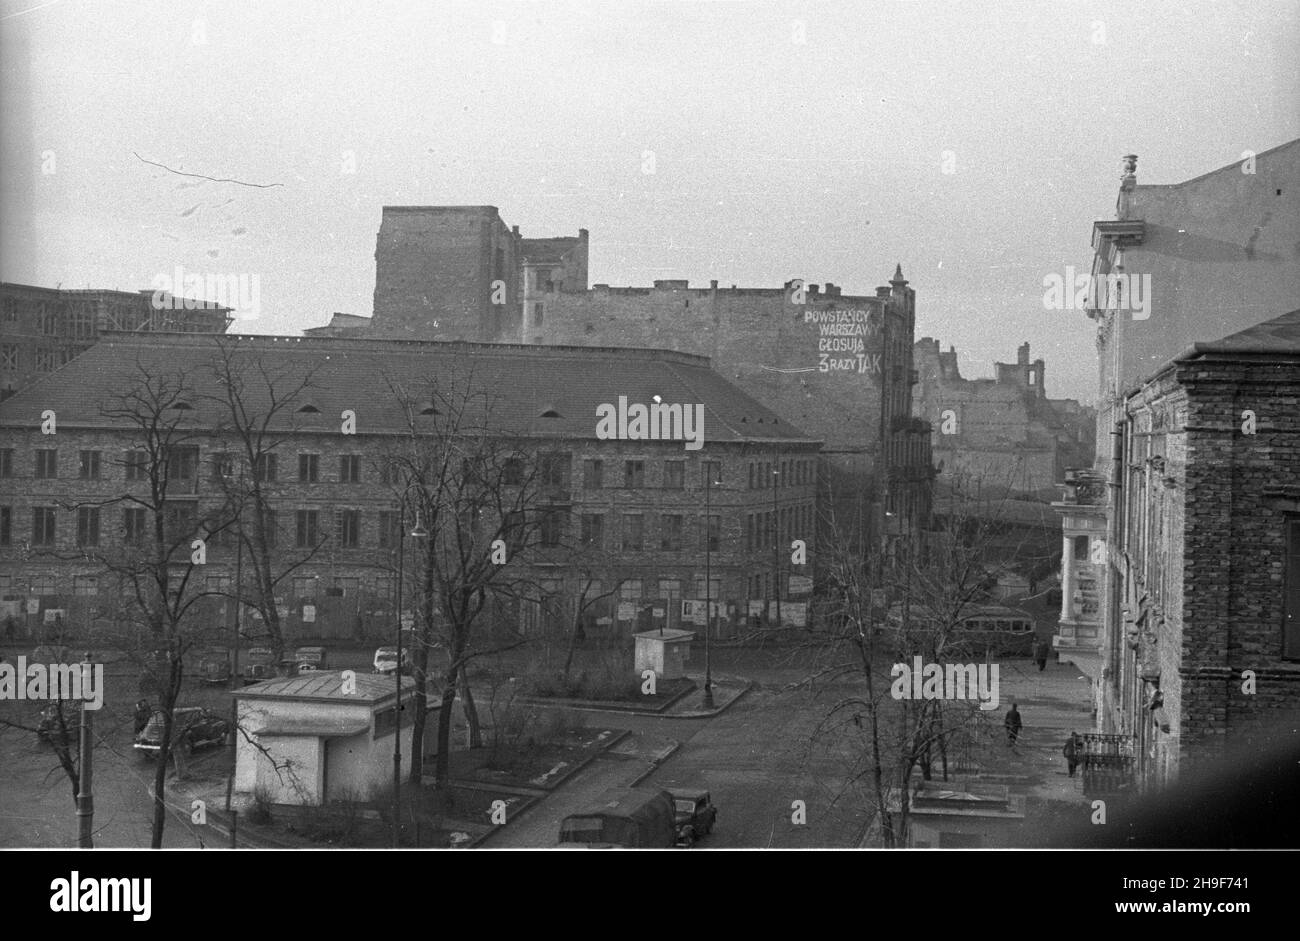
{"points": [[666, 425]]}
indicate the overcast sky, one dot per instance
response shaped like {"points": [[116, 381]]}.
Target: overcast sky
{"points": [[789, 140]]}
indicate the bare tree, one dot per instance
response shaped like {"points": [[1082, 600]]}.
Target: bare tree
{"points": [[474, 488], [883, 608], [257, 403]]}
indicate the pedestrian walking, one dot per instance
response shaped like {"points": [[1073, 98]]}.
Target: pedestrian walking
{"points": [[1013, 724], [1041, 652], [1073, 751]]}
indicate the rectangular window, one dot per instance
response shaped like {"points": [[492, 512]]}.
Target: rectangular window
{"points": [[670, 532], [555, 470], [308, 531], [47, 463], [593, 474], [553, 520], [6, 525], [43, 526], [751, 477], [349, 528], [137, 465], [133, 523], [537, 315], [88, 465], [220, 584], [749, 531], [512, 472], [1291, 600], [88, 526], [630, 590], [633, 474], [713, 587], [9, 357], [181, 521], [308, 468], [389, 473], [670, 588], [6, 462], [349, 468], [633, 532], [183, 463], [266, 468], [85, 585], [593, 530], [713, 532], [304, 586], [272, 523], [711, 474], [223, 465], [390, 529], [46, 360], [45, 585], [674, 475]]}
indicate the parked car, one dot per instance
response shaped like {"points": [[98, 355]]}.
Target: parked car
{"points": [[386, 660], [214, 666], [696, 814], [310, 658], [51, 732], [192, 728], [259, 664]]}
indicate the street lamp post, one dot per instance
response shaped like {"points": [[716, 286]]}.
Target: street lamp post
{"points": [[708, 583], [417, 531]]}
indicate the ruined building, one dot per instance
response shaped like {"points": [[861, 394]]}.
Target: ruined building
{"points": [[1002, 432], [836, 366]]}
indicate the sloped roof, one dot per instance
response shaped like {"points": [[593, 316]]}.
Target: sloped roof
{"points": [[327, 685], [1280, 335], [511, 384]]}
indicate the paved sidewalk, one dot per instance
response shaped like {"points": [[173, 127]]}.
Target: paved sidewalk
{"points": [[625, 765]]}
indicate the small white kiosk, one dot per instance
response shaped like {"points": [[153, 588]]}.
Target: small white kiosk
{"points": [[666, 652]]}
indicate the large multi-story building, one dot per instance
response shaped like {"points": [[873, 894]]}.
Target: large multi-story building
{"points": [[1003, 432], [636, 512], [838, 366], [41, 329], [1180, 265]]}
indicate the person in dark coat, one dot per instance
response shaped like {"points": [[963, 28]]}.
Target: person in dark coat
{"points": [[1073, 751], [1041, 652], [143, 713], [1013, 724]]}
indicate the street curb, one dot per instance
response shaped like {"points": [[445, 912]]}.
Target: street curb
{"points": [[547, 792], [606, 705], [656, 764]]}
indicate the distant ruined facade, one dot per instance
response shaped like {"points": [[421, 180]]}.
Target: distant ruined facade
{"points": [[1002, 432], [835, 365]]}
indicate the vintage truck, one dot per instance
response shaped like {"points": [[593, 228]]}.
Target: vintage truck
{"points": [[627, 817]]}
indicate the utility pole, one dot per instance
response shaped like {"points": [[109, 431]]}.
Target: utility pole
{"points": [[776, 536], [708, 583], [236, 681], [85, 797], [397, 715]]}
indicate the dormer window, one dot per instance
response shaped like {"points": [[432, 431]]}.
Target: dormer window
{"points": [[182, 406], [429, 409], [550, 411], [309, 409]]}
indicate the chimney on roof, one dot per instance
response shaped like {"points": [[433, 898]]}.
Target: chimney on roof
{"points": [[814, 289], [515, 229], [882, 291], [832, 290], [1022, 355], [582, 235]]}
